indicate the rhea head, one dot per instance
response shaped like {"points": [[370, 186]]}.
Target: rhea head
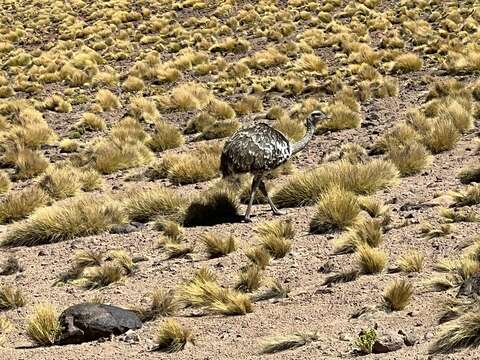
{"points": [[316, 116]]}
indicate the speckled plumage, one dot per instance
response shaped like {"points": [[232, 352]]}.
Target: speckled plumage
{"points": [[254, 149]]}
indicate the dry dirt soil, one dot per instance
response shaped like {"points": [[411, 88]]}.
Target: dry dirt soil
{"points": [[309, 306]]}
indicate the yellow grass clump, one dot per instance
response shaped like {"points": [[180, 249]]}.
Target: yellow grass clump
{"points": [[43, 327], [82, 216]]}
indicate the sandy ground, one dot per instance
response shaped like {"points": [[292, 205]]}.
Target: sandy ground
{"points": [[309, 307]]}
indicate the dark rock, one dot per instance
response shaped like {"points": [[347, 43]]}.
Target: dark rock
{"points": [[122, 229], [470, 286], [387, 343], [327, 267], [89, 322], [409, 338]]}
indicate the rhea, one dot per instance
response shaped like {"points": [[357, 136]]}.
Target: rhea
{"points": [[259, 149]]}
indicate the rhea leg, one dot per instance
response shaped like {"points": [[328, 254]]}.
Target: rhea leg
{"points": [[264, 191], [255, 182]]}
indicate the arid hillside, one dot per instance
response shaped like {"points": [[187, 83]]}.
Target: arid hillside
{"points": [[113, 117]]}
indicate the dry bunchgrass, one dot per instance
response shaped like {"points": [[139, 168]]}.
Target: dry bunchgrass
{"points": [[276, 228], [407, 63], [17, 205], [11, 298], [398, 295], [306, 188], [291, 128], [411, 261], [166, 136], [365, 231], [110, 155], [249, 279], [277, 246], [29, 164], [90, 180], [220, 129], [376, 208], [469, 196], [5, 182], [100, 276], [456, 215], [91, 122], [335, 209], [370, 260], [410, 158], [276, 344], [199, 165], [466, 176], [458, 333], [341, 117], [6, 326], [259, 256], [218, 245], [107, 100], [61, 182], [203, 291], [83, 216], [43, 327], [163, 303], [342, 277], [172, 337], [442, 135], [145, 205], [214, 206], [170, 229], [430, 231]]}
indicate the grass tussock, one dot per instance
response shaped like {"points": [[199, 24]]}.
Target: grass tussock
{"points": [[457, 215], [411, 158], [83, 216], [214, 206], [407, 63], [43, 327], [218, 245], [370, 260], [468, 197], [306, 188], [365, 231], [277, 344], [249, 279], [5, 182], [145, 205], [466, 175], [458, 333], [277, 246], [203, 291], [61, 182], [17, 205], [11, 298], [336, 209], [276, 228], [411, 261], [166, 136], [163, 303], [259, 256], [398, 295], [172, 337]]}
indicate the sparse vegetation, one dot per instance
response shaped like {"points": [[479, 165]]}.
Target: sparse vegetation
{"points": [[133, 101], [398, 295], [43, 327], [172, 337]]}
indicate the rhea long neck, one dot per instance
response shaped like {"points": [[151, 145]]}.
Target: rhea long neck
{"points": [[300, 145]]}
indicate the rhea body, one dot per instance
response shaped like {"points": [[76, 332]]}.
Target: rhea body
{"points": [[259, 149]]}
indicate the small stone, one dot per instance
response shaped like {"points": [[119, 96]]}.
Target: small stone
{"points": [[345, 337], [387, 343], [129, 337], [409, 338], [122, 229], [428, 336]]}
